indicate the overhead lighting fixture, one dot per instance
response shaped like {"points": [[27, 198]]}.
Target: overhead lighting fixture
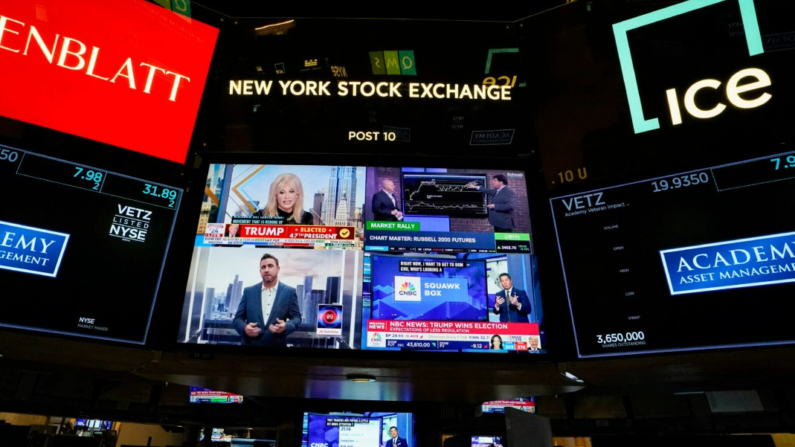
{"points": [[573, 377], [274, 28], [360, 378]]}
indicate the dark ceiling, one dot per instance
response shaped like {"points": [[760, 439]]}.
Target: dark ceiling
{"points": [[506, 12]]}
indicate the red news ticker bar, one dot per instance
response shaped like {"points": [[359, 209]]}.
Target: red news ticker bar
{"points": [[513, 403], [452, 327], [211, 394], [319, 232]]}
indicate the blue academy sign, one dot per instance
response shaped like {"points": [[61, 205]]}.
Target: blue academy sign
{"points": [[31, 250], [757, 261], [640, 123]]}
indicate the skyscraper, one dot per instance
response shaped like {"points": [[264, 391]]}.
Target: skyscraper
{"points": [[233, 294], [237, 294], [317, 207], [342, 217], [315, 297], [332, 295], [341, 188], [209, 300], [299, 292], [228, 298], [305, 299]]}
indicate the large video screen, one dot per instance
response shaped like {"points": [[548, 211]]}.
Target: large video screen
{"points": [[486, 441], [667, 144], [81, 248], [367, 429], [527, 404], [200, 395], [699, 259], [364, 257]]}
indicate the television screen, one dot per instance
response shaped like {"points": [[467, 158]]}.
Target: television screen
{"points": [[208, 396], [487, 441], [363, 257], [667, 155], [382, 429], [679, 258], [499, 406], [81, 248]]}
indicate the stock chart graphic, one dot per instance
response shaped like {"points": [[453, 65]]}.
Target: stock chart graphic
{"points": [[444, 194]]}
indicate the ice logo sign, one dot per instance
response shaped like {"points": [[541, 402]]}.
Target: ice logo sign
{"points": [[31, 250], [745, 80]]}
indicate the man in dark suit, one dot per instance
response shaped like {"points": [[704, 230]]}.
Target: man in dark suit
{"points": [[501, 206], [385, 204], [269, 311], [512, 304], [395, 440], [502, 202]]}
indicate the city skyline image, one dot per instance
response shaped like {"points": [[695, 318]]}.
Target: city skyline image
{"points": [[341, 188]]}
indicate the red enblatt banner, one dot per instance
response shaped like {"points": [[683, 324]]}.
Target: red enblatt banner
{"points": [[126, 73]]}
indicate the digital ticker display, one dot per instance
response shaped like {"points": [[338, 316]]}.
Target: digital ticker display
{"points": [[695, 260], [345, 257], [498, 406], [207, 396], [81, 248]]}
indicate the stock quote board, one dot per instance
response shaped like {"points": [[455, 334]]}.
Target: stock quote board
{"points": [[667, 190], [82, 249]]}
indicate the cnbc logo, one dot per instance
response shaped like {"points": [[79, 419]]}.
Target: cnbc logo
{"points": [[745, 81], [393, 62], [407, 288]]}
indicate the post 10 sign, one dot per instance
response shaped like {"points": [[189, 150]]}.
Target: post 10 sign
{"points": [[126, 73]]}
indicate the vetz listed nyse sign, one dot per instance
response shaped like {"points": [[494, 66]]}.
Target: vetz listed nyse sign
{"points": [[744, 81], [31, 250], [749, 262], [126, 73]]}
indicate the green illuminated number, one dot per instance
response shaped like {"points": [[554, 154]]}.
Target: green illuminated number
{"points": [[148, 188], [777, 161], [79, 170]]}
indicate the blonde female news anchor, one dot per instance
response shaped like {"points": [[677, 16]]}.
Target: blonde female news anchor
{"points": [[286, 200]]}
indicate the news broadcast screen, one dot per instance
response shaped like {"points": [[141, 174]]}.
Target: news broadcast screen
{"points": [[207, 396], [81, 248], [367, 429], [498, 406], [486, 441], [352, 257]]}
